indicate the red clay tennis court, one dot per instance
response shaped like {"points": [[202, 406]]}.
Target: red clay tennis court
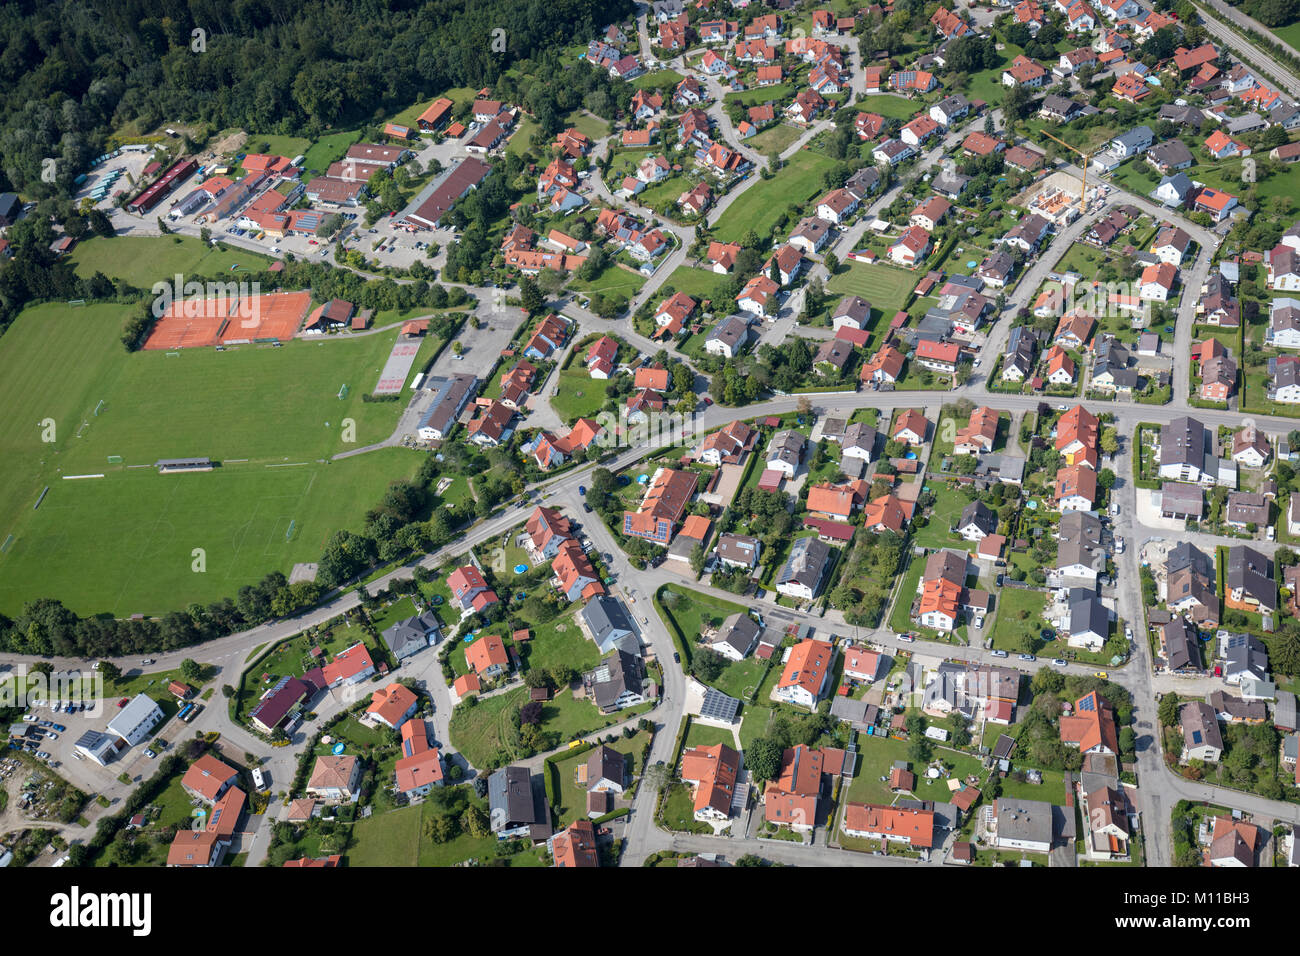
{"points": [[226, 321]]}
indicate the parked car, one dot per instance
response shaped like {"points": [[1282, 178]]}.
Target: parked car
{"points": [[1028, 657], [1059, 663], [146, 662], [1102, 674], [59, 727], [586, 507], [905, 637], [677, 658], [999, 653], [29, 718]]}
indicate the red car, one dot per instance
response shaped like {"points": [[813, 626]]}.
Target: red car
{"points": [[124, 701]]}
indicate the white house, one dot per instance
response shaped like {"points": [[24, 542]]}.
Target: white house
{"points": [[136, 720]]}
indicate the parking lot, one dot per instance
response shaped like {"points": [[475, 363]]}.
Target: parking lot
{"points": [[128, 166], [83, 772]]}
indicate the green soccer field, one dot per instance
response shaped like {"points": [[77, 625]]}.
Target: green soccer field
{"points": [[125, 544], [115, 544]]}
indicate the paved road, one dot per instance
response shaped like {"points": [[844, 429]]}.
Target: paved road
{"points": [[1245, 49]]}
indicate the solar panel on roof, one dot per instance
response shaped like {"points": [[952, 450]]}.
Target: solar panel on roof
{"points": [[1087, 703], [719, 706]]}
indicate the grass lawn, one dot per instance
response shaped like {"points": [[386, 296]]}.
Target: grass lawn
{"points": [[1052, 789], [885, 287], [138, 529], [890, 106], [948, 505], [878, 756], [523, 136], [1019, 615], [573, 796], [695, 612], [900, 618], [561, 642], [578, 394], [657, 79], [754, 723], [592, 126], [698, 283], [740, 678], [144, 260], [614, 280], [761, 204], [701, 735], [774, 139], [759, 95], [331, 148], [480, 731], [678, 811], [275, 144]]}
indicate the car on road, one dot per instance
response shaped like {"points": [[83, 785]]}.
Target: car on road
{"points": [[1059, 663], [677, 658], [146, 662], [999, 653], [586, 507], [1128, 632], [906, 638], [1028, 657], [582, 490], [1061, 408], [1102, 674]]}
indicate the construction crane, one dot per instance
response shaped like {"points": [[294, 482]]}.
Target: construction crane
{"points": [[1086, 157]]}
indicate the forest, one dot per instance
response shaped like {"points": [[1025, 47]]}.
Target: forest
{"points": [[73, 72]]}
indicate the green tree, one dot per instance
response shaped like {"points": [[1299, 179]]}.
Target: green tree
{"points": [[191, 670], [109, 671], [763, 758], [530, 296]]}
